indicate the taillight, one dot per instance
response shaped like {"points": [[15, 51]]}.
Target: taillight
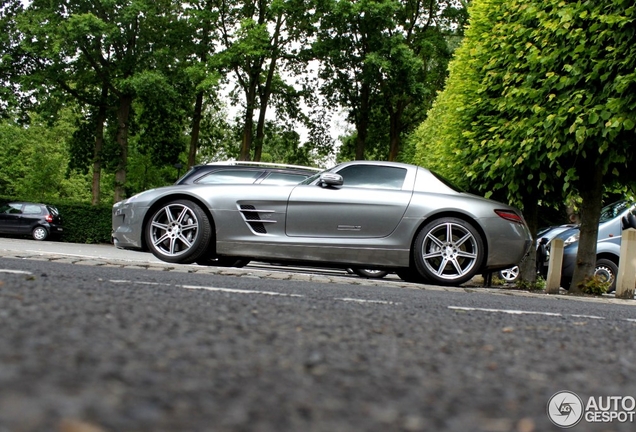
{"points": [[48, 218], [509, 215]]}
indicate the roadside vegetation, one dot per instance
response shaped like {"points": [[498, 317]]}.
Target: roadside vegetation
{"points": [[531, 102]]}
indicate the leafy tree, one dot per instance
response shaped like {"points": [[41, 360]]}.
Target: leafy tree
{"points": [[259, 40], [549, 107], [389, 54], [94, 49], [33, 160]]}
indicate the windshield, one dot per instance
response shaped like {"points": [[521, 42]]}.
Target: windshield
{"points": [[613, 210], [309, 180]]}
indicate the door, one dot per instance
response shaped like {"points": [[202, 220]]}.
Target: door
{"points": [[10, 215], [369, 204], [32, 215]]}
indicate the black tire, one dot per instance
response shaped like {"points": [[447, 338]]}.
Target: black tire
{"points": [[223, 262], [40, 233], [608, 270], [448, 251], [411, 275], [178, 232], [370, 273]]}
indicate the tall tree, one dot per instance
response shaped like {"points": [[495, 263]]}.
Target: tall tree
{"points": [[95, 45], [260, 39]]}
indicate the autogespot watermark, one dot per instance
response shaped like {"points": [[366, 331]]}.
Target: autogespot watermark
{"points": [[566, 409]]}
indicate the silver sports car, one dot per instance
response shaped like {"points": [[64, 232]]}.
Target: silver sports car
{"points": [[376, 215]]}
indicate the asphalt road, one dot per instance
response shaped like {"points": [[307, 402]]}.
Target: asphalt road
{"points": [[92, 343]]}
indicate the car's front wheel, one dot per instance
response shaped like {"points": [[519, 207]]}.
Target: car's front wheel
{"points": [[39, 233], [607, 270], [178, 232], [448, 251]]}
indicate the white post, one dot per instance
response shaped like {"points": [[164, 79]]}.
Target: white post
{"points": [[626, 278], [553, 282]]}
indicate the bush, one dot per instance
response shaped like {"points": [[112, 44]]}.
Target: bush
{"points": [[83, 223], [595, 285]]}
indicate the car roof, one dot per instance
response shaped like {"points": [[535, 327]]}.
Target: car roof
{"points": [[198, 171]]}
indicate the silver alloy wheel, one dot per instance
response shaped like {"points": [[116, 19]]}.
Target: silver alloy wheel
{"points": [[511, 274], [450, 251], [370, 273], [174, 229], [40, 233]]}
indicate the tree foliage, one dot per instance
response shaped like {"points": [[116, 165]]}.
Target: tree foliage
{"points": [[540, 103]]}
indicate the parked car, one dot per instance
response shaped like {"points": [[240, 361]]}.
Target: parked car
{"points": [[246, 173], [25, 218], [360, 214], [608, 247], [542, 253]]}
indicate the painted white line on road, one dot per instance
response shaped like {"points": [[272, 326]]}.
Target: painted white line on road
{"points": [[238, 291], [506, 311], [120, 281], [520, 312], [15, 271], [367, 301]]}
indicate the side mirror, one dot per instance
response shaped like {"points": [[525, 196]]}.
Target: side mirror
{"points": [[330, 179]]}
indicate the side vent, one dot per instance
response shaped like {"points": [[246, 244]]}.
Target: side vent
{"points": [[253, 219]]}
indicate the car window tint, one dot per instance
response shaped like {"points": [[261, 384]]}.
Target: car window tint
{"points": [[283, 178], [372, 176], [11, 208], [32, 209], [230, 176]]}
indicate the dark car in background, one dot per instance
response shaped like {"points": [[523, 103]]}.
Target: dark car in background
{"points": [[246, 173], [40, 221]]}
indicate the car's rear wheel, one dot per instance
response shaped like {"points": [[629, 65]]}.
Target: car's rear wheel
{"points": [[370, 273], [607, 270], [178, 232], [411, 275], [40, 233], [448, 251]]}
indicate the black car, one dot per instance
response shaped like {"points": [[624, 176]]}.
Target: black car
{"points": [[25, 218], [246, 172]]}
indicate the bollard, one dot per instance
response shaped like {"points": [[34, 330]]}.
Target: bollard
{"points": [[553, 282], [626, 277]]}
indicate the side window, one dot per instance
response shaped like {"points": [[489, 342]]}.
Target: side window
{"points": [[32, 209], [283, 178], [373, 176], [11, 208], [230, 177]]}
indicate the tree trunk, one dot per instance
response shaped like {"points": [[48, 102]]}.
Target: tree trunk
{"points": [[531, 214], [591, 191], [196, 127], [99, 145], [248, 128], [395, 118], [362, 122], [123, 117]]}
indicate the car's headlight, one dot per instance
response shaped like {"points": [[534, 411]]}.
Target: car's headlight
{"points": [[572, 239]]}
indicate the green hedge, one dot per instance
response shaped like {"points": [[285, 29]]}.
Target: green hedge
{"points": [[83, 223]]}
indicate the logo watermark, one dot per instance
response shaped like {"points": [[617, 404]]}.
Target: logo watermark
{"points": [[566, 409]]}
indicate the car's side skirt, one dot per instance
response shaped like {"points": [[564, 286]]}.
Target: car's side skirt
{"points": [[344, 254]]}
